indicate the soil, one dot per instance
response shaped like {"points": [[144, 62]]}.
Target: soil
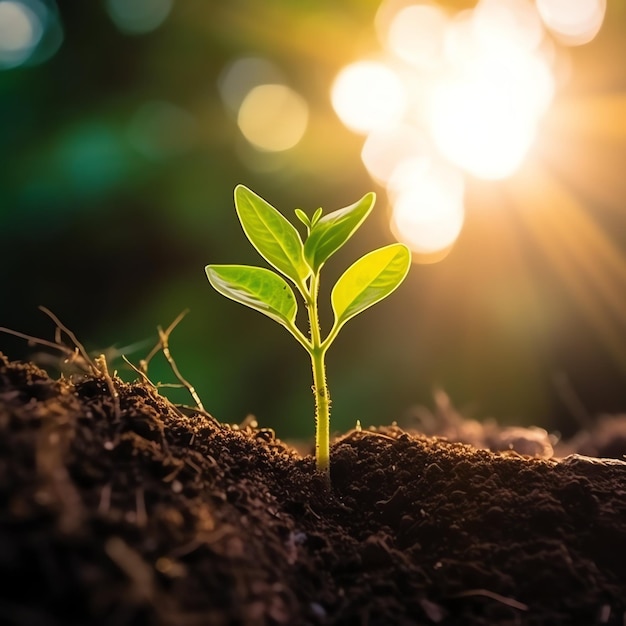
{"points": [[117, 509]]}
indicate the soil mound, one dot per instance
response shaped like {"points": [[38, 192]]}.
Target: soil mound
{"points": [[117, 509]]}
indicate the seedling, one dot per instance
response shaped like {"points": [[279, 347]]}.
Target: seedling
{"points": [[366, 282]]}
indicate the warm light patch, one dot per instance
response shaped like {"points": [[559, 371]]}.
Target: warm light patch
{"points": [[504, 24], [459, 39], [368, 95], [273, 117], [574, 22], [427, 207], [416, 35]]}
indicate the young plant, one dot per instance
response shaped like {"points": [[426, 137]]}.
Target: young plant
{"points": [[366, 282]]}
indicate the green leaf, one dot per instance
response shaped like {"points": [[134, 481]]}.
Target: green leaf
{"points": [[275, 238], [303, 217], [256, 287], [332, 231], [369, 280], [316, 216]]}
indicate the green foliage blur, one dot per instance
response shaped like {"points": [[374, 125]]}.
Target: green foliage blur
{"points": [[118, 164]]}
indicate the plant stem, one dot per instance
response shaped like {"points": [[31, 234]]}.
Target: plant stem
{"points": [[322, 412], [320, 389]]}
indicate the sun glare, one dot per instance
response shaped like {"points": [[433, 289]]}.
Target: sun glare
{"points": [[474, 86], [484, 120], [484, 112]]}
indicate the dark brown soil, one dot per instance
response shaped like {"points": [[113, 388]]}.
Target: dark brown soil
{"points": [[124, 512]]}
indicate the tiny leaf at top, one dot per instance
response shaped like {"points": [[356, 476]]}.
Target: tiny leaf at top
{"points": [[369, 280], [316, 216], [330, 232], [256, 287], [274, 237], [303, 217]]}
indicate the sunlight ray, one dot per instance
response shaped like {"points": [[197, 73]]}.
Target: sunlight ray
{"points": [[585, 258]]}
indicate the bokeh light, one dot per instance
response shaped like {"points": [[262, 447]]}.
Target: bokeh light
{"points": [[20, 32], [136, 17], [573, 22], [499, 25], [92, 158], [427, 207], [241, 75], [384, 150], [460, 39], [368, 95], [22, 28], [416, 35], [484, 114], [475, 84], [273, 117]]}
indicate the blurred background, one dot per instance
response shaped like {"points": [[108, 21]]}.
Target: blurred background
{"points": [[494, 134]]}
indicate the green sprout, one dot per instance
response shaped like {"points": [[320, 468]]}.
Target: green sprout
{"points": [[366, 282]]}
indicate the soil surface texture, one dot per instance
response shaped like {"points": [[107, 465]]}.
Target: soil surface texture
{"points": [[117, 509]]}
